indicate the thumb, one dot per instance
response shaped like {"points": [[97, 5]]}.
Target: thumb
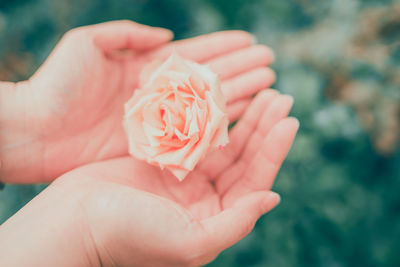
{"points": [[240, 219], [125, 34]]}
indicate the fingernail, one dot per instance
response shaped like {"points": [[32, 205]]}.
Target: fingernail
{"points": [[271, 201], [254, 39], [170, 33], [273, 57], [275, 196], [167, 33], [296, 121], [289, 98]]}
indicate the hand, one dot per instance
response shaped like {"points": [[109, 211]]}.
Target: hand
{"points": [[70, 111], [124, 212]]}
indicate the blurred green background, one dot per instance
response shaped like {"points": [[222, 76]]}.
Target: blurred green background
{"points": [[340, 59]]}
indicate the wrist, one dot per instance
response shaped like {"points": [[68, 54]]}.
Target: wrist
{"points": [[19, 146], [50, 230]]}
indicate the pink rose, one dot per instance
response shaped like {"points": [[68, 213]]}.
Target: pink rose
{"points": [[176, 116]]}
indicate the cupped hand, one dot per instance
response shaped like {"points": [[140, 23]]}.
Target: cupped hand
{"points": [[129, 213], [73, 107]]}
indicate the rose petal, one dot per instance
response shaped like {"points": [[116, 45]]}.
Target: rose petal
{"points": [[177, 156], [177, 116], [179, 172]]}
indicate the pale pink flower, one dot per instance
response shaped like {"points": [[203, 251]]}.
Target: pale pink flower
{"points": [[177, 115]]}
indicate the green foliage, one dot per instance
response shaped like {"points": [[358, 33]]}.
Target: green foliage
{"points": [[340, 184]]}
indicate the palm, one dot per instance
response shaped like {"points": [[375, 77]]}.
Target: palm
{"points": [[92, 84], [191, 216], [128, 213], [212, 187]]}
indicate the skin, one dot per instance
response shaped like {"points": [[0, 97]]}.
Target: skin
{"points": [[124, 212], [113, 210], [69, 112]]}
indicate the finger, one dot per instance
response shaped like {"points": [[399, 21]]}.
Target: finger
{"points": [[240, 219], [207, 46], [216, 162], [277, 110], [125, 34], [241, 61], [236, 109], [247, 84], [263, 168]]}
